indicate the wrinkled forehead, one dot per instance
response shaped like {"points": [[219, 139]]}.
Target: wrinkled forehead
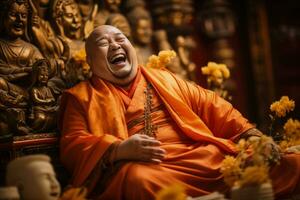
{"points": [[104, 30]]}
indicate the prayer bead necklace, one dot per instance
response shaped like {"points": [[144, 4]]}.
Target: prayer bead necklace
{"points": [[149, 128]]}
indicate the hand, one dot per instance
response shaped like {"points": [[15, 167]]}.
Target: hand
{"points": [[141, 148], [35, 20], [271, 151]]}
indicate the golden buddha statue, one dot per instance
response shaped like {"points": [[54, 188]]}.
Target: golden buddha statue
{"points": [[88, 10], [143, 38], [119, 21], [16, 59], [183, 48], [43, 35], [108, 7], [68, 25], [142, 33], [67, 18], [44, 108]]}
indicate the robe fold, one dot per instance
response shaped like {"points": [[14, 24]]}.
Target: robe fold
{"points": [[195, 126]]}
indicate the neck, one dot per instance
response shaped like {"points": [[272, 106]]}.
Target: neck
{"points": [[126, 87]]}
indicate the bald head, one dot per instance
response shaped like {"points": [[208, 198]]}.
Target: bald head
{"points": [[111, 55]]}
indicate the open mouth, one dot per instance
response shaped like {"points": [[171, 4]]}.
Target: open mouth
{"points": [[18, 26], [118, 59]]}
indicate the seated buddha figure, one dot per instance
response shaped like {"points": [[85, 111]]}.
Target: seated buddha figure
{"points": [[16, 59], [44, 107]]}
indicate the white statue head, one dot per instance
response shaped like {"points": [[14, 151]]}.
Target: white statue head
{"points": [[34, 176], [9, 193]]}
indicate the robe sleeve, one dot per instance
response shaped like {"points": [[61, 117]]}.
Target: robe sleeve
{"points": [[80, 150], [220, 116]]}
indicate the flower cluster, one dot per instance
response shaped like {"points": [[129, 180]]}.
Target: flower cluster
{"points": [[160, 61], [250, 166], [231, 170], [214, 71], [283, 106], [291, 134], [254, 175], [292, 129], [80, 55], [173, 192]]}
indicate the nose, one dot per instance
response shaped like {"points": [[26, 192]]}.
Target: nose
{"points": [[76, 18], [114, 45], [19, 17], [54, 183]]}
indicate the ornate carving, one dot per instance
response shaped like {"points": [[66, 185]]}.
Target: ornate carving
{"points": [[120, 21], [108, 7], [69, 26], [173, 14], [218, 23], [43, 103], [16, 59]]}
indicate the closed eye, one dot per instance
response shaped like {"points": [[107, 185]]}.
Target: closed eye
{"points": [[122, 39], [102, 44]]}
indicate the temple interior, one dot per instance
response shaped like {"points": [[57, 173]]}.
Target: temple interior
{"points": [[257, 41]]}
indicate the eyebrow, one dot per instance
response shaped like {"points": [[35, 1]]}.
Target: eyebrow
{"points": [[105, 37], [101, 38], [117, 34]]}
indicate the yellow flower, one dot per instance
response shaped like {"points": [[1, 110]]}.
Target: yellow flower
{"points": [[173, 192], [214, 69], [255, 175], [284, 144], [80, 56], [153, 61], [283, 106], [230, 168], [242, 145], [166, 56], [160, 61], [292, 128], [291, 134]]}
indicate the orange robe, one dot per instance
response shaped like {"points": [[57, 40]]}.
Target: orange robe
{"points": [[195, 126]]}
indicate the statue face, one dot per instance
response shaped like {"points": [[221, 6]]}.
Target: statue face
{"points": [[71, 21], [113, 5], [43, 75], [16, 20], [111, 55], [39, 182], [144, 31]]}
